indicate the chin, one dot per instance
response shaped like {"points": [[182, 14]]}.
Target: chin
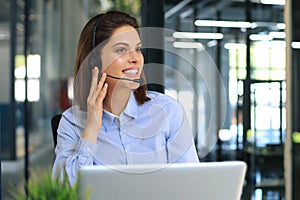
{"points": [[133, 85], [127, 85]]}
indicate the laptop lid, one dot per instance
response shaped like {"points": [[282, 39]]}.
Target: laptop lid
{"points": [[204, 181]]}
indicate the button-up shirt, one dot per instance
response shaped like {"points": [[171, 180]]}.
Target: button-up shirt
{"points": [[154, 132]]}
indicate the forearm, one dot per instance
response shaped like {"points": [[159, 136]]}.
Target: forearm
{"points": [[90, 135], [69, 159]]}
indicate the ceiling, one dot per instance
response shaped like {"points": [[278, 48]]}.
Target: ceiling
{"points": [[204, 9], [227, 9], [181, 14]]}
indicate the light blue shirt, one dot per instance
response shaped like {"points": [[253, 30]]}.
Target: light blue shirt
{"points": [[155, 132]]}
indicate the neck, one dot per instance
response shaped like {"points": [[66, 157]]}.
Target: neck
{"points": [[116, 100]]}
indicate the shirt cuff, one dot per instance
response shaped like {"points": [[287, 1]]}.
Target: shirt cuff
{"points": [[86, 147]]}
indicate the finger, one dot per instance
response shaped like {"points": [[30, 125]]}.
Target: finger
{"points": [[102, 93], [95, 72], [102, 80], [100, 84]]}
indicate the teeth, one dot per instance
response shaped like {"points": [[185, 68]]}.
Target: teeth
{"points": [[132, 71]]}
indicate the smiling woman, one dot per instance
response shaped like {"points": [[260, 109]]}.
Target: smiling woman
{"points": [[115, 119], [122, 57]]}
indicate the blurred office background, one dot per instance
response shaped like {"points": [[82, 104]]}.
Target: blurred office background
{"points": [[237, 79]]}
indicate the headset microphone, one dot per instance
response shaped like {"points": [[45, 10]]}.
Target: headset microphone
{"points": [[127, 79]]}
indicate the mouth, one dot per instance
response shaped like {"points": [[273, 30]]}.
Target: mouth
{"points": [[131, 71]]}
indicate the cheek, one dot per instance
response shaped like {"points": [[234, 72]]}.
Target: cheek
{"points": [[112, 63], [116, 63], [142, 60]]}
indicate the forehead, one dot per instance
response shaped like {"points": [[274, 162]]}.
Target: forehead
{"points": [[125, 33]]}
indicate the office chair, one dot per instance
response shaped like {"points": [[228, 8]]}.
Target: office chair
{"points": [[54, 125]]}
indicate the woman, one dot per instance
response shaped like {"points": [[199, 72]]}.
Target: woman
{"points": [[115, 119]]}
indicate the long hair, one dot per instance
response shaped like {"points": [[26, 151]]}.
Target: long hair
{"points": [[93, 36]]}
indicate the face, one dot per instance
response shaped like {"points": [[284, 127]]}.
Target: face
{"points": [[122, 57]]}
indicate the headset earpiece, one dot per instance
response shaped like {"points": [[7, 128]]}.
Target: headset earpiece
{"points": [[94, 60]]}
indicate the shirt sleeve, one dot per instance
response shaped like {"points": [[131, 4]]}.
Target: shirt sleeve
{"points": [[180, 145], [71, 151]]}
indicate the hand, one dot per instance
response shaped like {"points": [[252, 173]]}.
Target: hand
{"points": [[95, 106]]}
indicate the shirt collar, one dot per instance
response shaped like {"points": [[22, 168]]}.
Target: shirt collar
{"points": [[130, 110], [132, 106]]}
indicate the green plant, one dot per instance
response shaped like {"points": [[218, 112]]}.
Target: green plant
{"points": [[41, 186]]}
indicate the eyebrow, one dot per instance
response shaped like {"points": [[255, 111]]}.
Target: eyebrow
{"points": [[124, 43]]}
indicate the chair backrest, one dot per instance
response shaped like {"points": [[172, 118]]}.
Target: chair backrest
{"points": [[54, 125]]}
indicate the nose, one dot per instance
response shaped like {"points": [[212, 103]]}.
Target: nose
{"points": [[134, 56]]}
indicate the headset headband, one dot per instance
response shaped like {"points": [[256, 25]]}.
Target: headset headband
{"points": [[95, 30]]}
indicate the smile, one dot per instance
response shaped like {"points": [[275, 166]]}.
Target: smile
{"points": [[131, 71]]}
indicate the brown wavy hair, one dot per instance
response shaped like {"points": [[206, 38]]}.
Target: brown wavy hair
{"points": [[93, 37]]}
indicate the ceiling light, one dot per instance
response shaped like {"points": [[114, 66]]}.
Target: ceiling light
{"points": [[211, 43], [295, 45], [238, 24], [280, 26], [268, 24], [228, 24], [260, 37], [235, 46], [279, 35], [273, 2], [190, 45], [193, 35]]}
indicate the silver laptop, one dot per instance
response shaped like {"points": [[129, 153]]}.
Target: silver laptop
{"points": [[203, 181]]}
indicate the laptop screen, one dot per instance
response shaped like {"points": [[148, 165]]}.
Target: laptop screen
{"points": [[204, 181]]}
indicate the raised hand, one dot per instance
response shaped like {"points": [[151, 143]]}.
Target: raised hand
{"points": [[95, 106]]}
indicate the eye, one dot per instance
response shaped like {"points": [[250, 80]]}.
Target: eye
{"points": [[121, 50], [138, 49]]}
